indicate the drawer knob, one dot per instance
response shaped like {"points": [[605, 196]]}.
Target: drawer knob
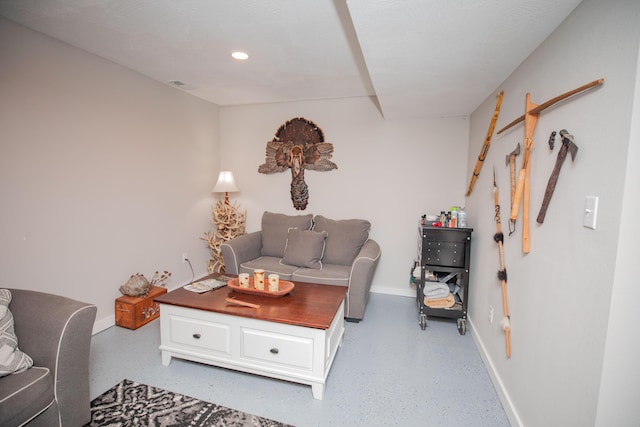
{"points": [[274, 351], [197, 336]]}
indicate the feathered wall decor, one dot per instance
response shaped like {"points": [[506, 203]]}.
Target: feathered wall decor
{"points": [[298, 145]]}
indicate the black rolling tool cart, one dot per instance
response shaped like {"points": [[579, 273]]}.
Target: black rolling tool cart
{"points": [[444, 256]]}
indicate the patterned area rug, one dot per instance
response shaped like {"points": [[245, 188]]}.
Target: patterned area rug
{"points": [[133, 404]]}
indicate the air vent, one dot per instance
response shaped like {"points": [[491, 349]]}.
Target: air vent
{"points": [[180, 85]]}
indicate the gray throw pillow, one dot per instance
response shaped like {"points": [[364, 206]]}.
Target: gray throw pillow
{"points": [[304, 248], [275, 230], [344, 238], [12, 360]]}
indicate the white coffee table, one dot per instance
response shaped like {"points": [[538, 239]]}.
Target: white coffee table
{"points": [[294, 337]]}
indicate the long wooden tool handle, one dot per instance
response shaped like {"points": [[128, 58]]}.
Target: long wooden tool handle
{"points": [[551, 185], [497, 218], [552, 101], [517, 197], [502, 273], [242, 303], [505, 309], [526, 234], [512, 175], [507, 335], [565, 95], [485, 146]]}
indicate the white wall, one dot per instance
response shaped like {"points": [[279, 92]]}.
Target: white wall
{"points": [[620, 384], [559, 295], [389, 172], [103, 172]]}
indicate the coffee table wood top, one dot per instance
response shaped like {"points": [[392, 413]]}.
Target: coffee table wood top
{"points": [[309, 304]]}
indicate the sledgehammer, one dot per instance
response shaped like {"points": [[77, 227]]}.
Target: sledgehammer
{"points": [[567, 145]]}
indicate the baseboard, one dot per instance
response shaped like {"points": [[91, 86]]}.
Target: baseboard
{"points": [[104, 323], [109, 321], [503, 395], [408, 292]]}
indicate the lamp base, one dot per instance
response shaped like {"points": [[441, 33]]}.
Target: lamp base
{"points": [[230, 223]]}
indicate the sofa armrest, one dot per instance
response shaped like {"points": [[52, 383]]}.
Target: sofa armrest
{"points": [[241, 249], [56, 332], [361, 277]]}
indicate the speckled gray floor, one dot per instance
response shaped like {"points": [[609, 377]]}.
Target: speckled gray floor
{"points": [[388, 372]]}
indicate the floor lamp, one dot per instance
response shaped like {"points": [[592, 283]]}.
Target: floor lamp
{"points": [[228, 220]]}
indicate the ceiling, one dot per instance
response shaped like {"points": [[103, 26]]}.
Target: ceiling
{"points": [[420, 58]]}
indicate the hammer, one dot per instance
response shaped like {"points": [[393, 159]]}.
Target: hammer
{"points": [[567, 145], [511, 162]]}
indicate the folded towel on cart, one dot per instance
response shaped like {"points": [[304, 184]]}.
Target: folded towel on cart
{"points": [[434, 290], [446, 302]]}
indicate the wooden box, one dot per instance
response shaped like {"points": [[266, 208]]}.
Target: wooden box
{"points": [[133, 312]]}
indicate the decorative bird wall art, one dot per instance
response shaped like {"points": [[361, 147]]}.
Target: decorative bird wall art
{"points": [[298, 145]]}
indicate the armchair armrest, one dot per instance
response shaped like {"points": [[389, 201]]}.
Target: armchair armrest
{"points": [[241, 249], [361, 277], [56, 332]]}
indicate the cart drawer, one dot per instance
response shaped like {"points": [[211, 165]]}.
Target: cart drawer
{"points": [[446, 254], [445, 247]]}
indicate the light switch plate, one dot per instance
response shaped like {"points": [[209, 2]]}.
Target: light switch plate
{"points": [[590, 211]]}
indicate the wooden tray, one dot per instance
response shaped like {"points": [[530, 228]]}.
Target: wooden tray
{"points": [[284, 287]]}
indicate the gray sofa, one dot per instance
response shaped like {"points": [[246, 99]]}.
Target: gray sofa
{"points": [[304, 248], [55, 332]]}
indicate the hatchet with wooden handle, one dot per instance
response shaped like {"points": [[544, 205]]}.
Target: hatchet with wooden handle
{"points": [[530, 118], [571, 147], [511, 162], [517, 195]]}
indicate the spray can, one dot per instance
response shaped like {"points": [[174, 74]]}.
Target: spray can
{"points": [[462, 218]]}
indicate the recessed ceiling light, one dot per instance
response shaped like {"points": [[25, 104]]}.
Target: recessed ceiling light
{"points": [[240, 55]]}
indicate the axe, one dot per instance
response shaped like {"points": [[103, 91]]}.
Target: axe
{"points": [[511, 162], [567, 145], [530, 118]]}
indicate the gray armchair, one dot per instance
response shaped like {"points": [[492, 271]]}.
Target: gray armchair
{"points": [[55, 332]]}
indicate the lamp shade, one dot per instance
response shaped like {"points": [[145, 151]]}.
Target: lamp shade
{"points": [[226, 183]]}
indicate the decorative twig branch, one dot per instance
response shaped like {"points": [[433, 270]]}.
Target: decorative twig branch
{"points": [[230, 223]]}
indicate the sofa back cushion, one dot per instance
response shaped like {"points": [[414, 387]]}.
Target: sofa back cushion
{"points": [[275, 230], [304, 248], [344, 238]]}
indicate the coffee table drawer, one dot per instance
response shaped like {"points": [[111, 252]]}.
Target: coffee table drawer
{"points": [[280, 349], [201, 334]]}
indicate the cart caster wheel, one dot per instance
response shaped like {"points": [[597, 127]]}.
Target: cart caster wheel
{"points": [[423, 321], [462, 326]]}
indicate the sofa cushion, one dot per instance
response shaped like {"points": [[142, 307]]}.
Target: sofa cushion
{"points": [[275, 229], [304, 248], [24, 395], [12, 360], [344, 238], [270, 265], [330, 274]]}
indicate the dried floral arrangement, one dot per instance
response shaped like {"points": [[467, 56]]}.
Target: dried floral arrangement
{"points": [[138, 285], [229, 222]]}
